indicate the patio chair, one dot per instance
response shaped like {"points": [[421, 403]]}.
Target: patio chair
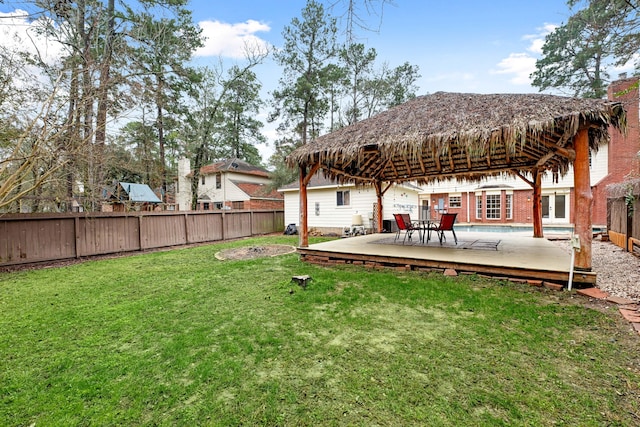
{"points": [[403, 221], [446, 224]]}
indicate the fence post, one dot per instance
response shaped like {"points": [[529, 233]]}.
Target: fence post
{"points": [[140, 230], [186, 227], [76, 231], [223, 225], [251, 222]]}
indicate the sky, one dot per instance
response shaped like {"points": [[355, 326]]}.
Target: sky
{"points": [[458, 45]]}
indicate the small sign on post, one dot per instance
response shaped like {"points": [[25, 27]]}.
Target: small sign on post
{"points": [[575, 243]]}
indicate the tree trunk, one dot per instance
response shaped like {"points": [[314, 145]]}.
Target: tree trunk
{"points": [[103, 94], [160, 125]]}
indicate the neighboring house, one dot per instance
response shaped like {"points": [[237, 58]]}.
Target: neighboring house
{"points": [[128, 196], [333, 207], [229, 184]]}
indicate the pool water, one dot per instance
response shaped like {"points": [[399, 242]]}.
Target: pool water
{"points": [[516, 229]]}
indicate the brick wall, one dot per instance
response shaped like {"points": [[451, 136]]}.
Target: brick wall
{"points": [[523, 206], [623, 151]]}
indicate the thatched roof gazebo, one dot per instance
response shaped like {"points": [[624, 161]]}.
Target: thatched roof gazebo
{"points": [[468, 136]]}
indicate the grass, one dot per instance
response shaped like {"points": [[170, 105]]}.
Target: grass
{"points": [[181, 338]]}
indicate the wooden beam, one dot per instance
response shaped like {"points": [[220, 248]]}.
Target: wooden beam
{"points": [[436, 158], [583, 200], [393, 166], [452, 163], [407, 165], [311, 172], [377, 172], [524, 178], [422, 167]]}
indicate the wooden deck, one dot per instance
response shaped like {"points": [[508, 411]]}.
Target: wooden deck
{"points": [[514, 255]]}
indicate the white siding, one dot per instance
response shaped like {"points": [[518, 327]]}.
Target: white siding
{"points": [[229, 191], [397, 199]]}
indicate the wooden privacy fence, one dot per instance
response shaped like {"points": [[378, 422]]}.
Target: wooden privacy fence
{"points": [[623, 217], [29, 238]]}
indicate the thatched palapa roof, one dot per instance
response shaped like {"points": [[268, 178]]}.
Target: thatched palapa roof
{"points": [[466, 136]]}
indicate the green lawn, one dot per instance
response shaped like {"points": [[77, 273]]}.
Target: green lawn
{"points": [[181, 338]]}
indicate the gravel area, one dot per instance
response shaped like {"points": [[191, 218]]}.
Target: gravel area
{"points": [[618, 271]]}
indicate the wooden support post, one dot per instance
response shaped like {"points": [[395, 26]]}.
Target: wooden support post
{"points": [[537, 204], [304, 228], [378, 186], [583, 200], [380, 193]]}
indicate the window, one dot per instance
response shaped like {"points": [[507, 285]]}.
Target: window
{"points": [[343, 198], [493, 206], [202, 180], [508, 206], [237, 205], [218, 205], [218, 180], [455, 201], [479, 207], [205, 206]]}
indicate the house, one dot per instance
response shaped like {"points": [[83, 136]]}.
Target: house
{"points": [[334, 207], [507, 200], [228, 184], [624, 150], [128, 196]]}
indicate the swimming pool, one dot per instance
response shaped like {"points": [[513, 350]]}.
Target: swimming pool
{"points": [[519, 228]]}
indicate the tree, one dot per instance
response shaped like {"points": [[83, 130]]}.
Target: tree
{"points": [[402, 84], [163, 48], [358, 65], [576, 55], [32, 159], [356, 14], [240, 131], [205, 121], [302, 100]]}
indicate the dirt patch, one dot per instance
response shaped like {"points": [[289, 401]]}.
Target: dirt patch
{"points": [[252, 252]]}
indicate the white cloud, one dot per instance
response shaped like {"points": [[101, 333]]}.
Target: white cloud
{"points": [[231, 40], [18, 34], [537, 40], [521, 65]]}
